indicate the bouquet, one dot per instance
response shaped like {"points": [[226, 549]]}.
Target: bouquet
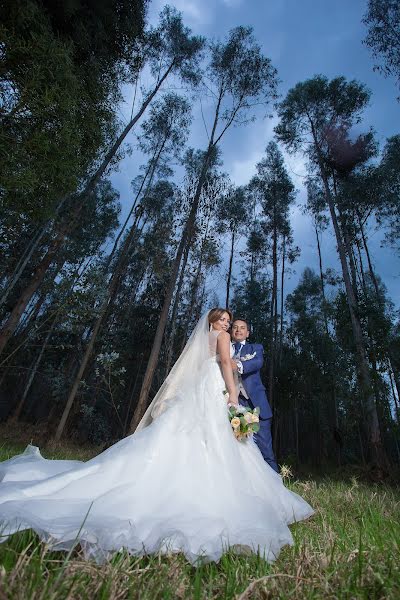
{"points": [[244, 421]]}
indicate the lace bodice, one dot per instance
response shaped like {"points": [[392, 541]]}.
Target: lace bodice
{"points": [[212, 341]]}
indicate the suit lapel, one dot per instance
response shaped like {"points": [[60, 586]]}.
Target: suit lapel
{"points": [[246, 349]]}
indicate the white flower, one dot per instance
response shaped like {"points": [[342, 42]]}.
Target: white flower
{"points": [[247, 357]]}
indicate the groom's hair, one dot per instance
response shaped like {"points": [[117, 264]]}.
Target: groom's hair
{"points": [[244, 321]]}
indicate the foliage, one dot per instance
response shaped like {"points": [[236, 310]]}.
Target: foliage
{"points": [[383, 20]]}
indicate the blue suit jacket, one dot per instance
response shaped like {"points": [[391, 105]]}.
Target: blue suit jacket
{"points": [[251, 379]]}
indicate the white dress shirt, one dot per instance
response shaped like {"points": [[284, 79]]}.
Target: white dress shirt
{"points": [[238, 362]]}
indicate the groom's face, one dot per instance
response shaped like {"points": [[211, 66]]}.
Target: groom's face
{"points": [[240, 331]]}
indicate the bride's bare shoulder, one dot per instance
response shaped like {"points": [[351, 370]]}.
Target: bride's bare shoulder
{"points": [[223, 335]]}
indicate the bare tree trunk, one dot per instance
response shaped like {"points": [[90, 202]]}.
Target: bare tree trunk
{"points": [[171, 338], [149, 171], [282, 301], [94, 180], [228, 281], [273, 317], [131, 396], [195, 289], [395, 398], [321, 278]]}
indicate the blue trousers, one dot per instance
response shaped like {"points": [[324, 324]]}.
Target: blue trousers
{"points": [[263, 438]]}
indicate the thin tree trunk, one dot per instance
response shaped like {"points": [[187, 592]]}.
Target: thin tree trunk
{"points": [[171, 338], [195, 288], [150, 170], [132, 394], [12, 322], [28, 253], [380, 300], [94, 180], [228, 281], [282, 302], [17, 413], [273, 317], [152, 363], [395, 398], [321, 277]]}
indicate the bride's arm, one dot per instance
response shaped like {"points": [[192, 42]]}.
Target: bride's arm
{"points": [[224, 351]]}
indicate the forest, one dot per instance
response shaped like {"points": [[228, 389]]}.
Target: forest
{"points": [[99, 293]]}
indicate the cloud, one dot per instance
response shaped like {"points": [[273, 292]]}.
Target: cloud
{"points": [[195, 12], [242, 171]]}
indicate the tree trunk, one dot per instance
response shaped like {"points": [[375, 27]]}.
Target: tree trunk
{"points": [[228, 281], [94, 180], [28, 253], [321, 277], [171, 338], [395, 398], [380, 299], [17, 413], [150, 171], [12, 322], [273, 317], [282, 302]]}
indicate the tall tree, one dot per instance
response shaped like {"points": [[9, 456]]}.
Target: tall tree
{"points": [[307, 116], [383, 22], [275, 193]]}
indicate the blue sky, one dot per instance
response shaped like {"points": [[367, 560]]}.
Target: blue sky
{"points": [[302, 38]]}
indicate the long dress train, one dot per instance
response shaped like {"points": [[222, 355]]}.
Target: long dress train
{"points": [[182, 484]]}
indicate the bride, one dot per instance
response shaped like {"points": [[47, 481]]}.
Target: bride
{"points": [[180, 483]]}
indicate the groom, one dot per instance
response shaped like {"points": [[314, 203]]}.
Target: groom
{"points": [[247, 361]]}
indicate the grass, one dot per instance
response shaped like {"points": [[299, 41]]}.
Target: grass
{"points": [[349, 549]]}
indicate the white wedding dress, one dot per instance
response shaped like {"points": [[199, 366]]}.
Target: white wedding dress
{"points": [[182, 483]]}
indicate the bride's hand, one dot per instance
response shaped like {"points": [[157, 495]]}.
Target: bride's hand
{"points": [[233, 399]]}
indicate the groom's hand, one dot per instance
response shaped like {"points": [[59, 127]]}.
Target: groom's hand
{"points": [[234, 365]]}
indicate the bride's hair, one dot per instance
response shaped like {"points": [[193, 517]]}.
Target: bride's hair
{"points": [[216, 313]]}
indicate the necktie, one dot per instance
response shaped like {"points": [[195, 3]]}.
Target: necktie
{"points": [[238, 347]]}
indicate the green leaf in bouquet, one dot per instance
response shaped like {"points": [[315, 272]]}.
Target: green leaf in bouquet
{"points": [[256, 410], [256, 427]]}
